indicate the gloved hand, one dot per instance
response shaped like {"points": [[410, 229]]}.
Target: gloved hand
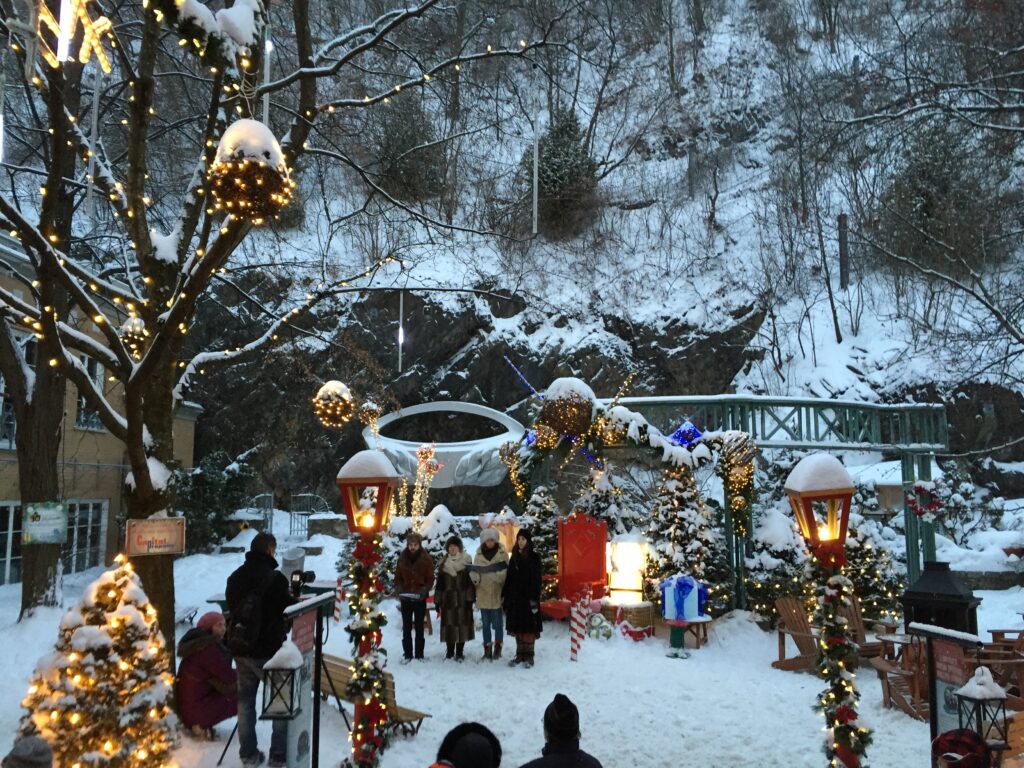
{"points": [[534, 606], [474, 577]]}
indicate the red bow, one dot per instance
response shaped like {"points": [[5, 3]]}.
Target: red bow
{"points": [[845, 715]]}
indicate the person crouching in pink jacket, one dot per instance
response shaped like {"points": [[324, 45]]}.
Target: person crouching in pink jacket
{"points": [[206, 688]]}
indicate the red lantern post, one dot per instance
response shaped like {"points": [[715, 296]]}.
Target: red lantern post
{"points": [[820, 492], [367, 484]]}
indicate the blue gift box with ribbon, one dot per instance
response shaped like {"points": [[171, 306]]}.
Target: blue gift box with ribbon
{"points": [[682, 598]]}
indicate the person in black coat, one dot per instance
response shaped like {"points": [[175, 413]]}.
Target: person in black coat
{"points": [[521, 598], [562, 738], [259, 574]]}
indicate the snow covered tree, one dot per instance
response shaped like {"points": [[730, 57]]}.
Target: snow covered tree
{"points": [[684, 540], [141, 214], [603, 498], [102, 698], [207, 495], [436, 528], [540, 517]]}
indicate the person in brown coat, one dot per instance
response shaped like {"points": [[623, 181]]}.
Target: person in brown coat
{"points": [[453, 598], [414, 576]]}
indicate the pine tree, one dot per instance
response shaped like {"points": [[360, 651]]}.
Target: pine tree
{"points": [[683, 539], [436, 528], [876, 576], [102, 698], [603, 498], [541, 518]]}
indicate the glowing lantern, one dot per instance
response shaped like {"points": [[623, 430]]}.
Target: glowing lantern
{"points": [[367, 483], [820, 491]]}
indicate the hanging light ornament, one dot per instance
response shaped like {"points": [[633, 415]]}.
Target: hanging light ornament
{"points": [[134, 336], [249, 177], [333, 404], [567, 411], [369, 414]]}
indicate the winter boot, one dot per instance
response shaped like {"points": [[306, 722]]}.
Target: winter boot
{"points": [[528, 656], [497, 651], [459, 652], [450, 651], [488, 651], [518, 658]]}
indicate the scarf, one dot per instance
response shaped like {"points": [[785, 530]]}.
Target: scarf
{"points": [[452, 565], [490, 552]]}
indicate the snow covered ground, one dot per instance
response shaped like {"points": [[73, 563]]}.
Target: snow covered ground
{"points": [[723, 706]]}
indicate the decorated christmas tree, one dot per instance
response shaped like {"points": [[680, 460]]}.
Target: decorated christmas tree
{"points": [[603, 498], [541, 518], [683, 539], [102, 697], [876, 576]]}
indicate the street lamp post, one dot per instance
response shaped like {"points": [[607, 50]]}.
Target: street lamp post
{"points": [[367, 484], [820, 492]]}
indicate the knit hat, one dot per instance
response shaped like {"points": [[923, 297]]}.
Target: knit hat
{"points": [[413, 537], [470, 745], [456, 541], [29, 752], [209, 619], [489, 534], [961, 748], [562, 719], [525, 533]]}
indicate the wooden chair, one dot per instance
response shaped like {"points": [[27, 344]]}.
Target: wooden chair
{"points": [[334, 679], [858, 630], [904, 679], [1005, 659], [793, 623], [1013, 757]]}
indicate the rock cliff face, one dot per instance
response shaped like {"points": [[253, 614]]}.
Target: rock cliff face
{"points": [[455, 350]]}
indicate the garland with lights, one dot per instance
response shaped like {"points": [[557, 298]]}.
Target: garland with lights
{"points": [[334, 404], [846, 740], [426, 468], [367, 687], [102, 698]]}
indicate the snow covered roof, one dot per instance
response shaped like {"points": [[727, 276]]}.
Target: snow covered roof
{"points": [[819, 472], [569, 386], [368, 465]]}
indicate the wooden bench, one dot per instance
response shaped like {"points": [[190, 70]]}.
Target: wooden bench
{"points": [[334, 679]]}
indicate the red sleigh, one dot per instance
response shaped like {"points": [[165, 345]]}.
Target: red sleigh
{"points": [[582, 562]]}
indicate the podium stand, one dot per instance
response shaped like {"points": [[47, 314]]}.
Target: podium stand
{"points": [[307, 620]]}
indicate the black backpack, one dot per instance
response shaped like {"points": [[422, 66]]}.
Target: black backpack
{"points": [[243, 630]]}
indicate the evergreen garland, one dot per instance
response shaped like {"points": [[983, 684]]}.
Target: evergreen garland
{"points": [[846, 739], [367, 687], [102, 698]]}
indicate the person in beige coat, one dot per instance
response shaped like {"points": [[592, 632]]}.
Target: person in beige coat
{"points": [[490, 566]]}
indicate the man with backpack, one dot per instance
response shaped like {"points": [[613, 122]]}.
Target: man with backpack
{"points": [[256, 595]]}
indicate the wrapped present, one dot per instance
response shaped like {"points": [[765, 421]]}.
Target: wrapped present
{"points": [[682, 598]]}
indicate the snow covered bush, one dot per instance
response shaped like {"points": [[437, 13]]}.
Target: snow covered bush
{"points": [[963, 506], [102, 698], [436, 528]]}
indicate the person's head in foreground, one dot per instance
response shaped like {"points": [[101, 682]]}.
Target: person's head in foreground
{"points": [[561, 720], [469, 745]]}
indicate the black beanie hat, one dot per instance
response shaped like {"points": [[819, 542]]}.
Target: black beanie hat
{"points": [[470, 745], [525, 533], [562, 719]]}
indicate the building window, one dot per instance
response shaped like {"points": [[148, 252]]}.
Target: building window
{"points": [[8, 426], [10, 542], [88, 417], [87, 528]]}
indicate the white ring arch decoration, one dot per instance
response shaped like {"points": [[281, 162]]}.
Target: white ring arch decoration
{"points": [[470, 462]]}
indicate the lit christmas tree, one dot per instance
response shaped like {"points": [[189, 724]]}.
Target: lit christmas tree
{"points": [[877, 580], [102, 697], [603, 498], [683, 539], [541, 518]]}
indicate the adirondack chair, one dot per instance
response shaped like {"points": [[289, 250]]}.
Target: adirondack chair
{"points": [[793, 623], [1005, 659], [903, 674], [858, 631]]}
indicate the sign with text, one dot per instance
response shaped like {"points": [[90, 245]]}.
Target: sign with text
{"points": [[45, 523], [155, 536]]}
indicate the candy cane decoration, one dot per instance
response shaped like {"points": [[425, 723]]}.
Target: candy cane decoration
{"points": [[576, 627]]}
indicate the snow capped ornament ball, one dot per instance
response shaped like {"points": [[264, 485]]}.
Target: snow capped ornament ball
{"points": [[249, 177], [334, 404], [568, 409]]}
